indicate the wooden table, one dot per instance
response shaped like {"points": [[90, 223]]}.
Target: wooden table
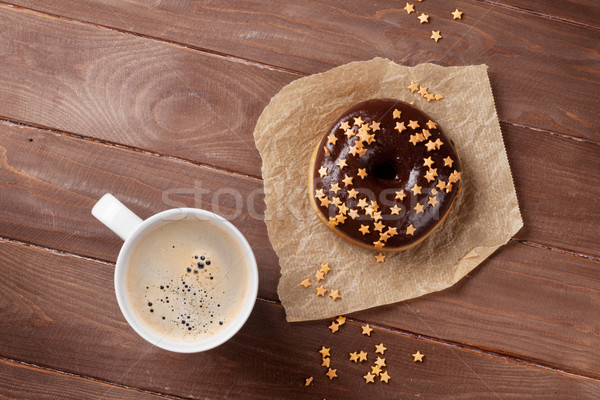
{"points": [[152, 100]]}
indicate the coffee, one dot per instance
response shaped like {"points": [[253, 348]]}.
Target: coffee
{"points": [[186, 280]]}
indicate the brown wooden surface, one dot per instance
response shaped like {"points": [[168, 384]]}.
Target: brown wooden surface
{"points": [[269, 358], [155, 102]]}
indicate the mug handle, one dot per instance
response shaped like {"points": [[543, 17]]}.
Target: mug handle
{"points": [[118, 218]]}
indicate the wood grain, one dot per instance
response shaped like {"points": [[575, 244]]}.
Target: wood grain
{"points": [[132, 91], [578, 11], [35, 186], [56, 315], [25, 382], [544, 74]]}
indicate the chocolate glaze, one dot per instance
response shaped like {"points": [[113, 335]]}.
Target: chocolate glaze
{"points": [[392, 164]]}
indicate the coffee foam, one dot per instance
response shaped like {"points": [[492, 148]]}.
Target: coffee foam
{"points": [[186, 280]]}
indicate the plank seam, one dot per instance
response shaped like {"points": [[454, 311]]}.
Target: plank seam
{"points": [[538, 14], [414, 335], [47, 369], [557, 250]]}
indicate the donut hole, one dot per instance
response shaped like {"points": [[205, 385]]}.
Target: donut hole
{"points": [[385, 171]]}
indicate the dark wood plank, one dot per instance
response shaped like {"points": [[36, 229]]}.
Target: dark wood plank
{"points": [[54, 314], [579, 11], [35, 186], [132, 91], [544, 74], [25, 382]]}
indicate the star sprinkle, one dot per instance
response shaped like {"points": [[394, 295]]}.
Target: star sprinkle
{"points": [[395, 210], [448, 187], [392, 231], [352, 193], [414, 139], [347, 180], [430, 145], [416, 189], [448, 161], [362, 356], [410, 8], [320, 276], [431, 174], [341, 163], [326, 362], [364, 229], [325, 268], [422, 91], [362, 203], [341, 320], [354, 357], [441, 184], [306, 283], [335, 294], [380, 362], [454, 177], [375, 370], [438, 143], [362, 172], [380, 258], [331, 373], [396, 114], [400, 127], [413, 87], [380, 348], [331, 139], [435, 35], [377, 216], [358, 121], [428, 162], [308, 381], [400, 195], [325, 201], [432, 201], [366, 330], [325, 351], [353, 213], [457, 14], [419, 208], [375, 126], [384, 377], [343, 209], [423, 18], [410, 230], [321, 290], [323, 171], [326, 150], [418, 356], [345, 126], [429, 97], [336, 201], [378, 226], [413, 124], [369, 378], [334, 327], [431, 124], [349, 133], [426, 133]]}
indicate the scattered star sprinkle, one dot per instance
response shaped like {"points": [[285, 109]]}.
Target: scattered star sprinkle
{"points": [[423, 18], [347, 180], [334, 327], [335, 294], [325, 268], [380, 257], [308, 381], [400, 195], [375, 126], [369, 378], [410, 230], [413, 124], [410, 8], [352, 193], [345, 126], [435, 35], [380, 348], [323, 171], [418, 356], [432, 201], [341, 320], [416, 189], [306, 283], [384, 377], [457, 14], [331, 373], [319, 275], [395, 210], [380, 362], [448, 161], [354, 357], [362, 356], [366, 330], [400, 127], [341, 163], [431, 124], [321, 290], [325, 351], [375, 370], [353, 213], [428, 162], [413, 87], [326, 362], [358, 121], [364, 229]]}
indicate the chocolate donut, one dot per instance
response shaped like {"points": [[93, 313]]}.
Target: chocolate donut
{"points": [[385, 176]]}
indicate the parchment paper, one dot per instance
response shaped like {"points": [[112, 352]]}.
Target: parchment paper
{"points": [[484, 218]]}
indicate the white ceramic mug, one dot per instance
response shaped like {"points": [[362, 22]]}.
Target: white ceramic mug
{"points": [[118, 218]]}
